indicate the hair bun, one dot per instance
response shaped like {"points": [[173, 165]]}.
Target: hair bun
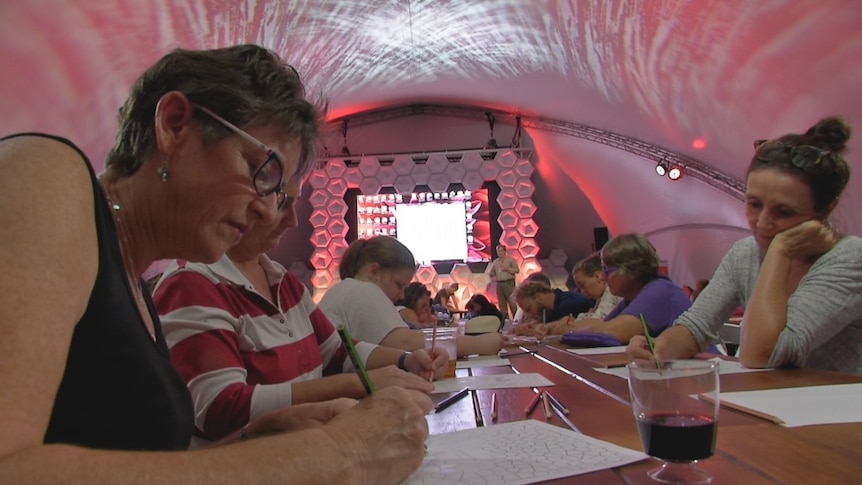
{"points": [[832, 132]]}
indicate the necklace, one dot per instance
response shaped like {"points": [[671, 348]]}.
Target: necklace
{"points": [[129, 267]]}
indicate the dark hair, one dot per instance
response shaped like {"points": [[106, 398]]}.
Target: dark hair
{"points": [[383, 250], [634, 254], [247, 85], [539, 277], [485, 306], [412, 294], [826, 180], [590, 265]]}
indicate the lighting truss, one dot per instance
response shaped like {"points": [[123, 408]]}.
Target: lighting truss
{"points": [[652, 153]]}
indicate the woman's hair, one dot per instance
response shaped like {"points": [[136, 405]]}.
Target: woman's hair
{"points": [[248, 85], [485, 306], [633, 254], [383, 250], [530, 289], [412, 294], [826, 178], [539, 278], [590, 265]]}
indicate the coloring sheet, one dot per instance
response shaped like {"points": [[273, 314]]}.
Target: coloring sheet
{"points": [[515, 453]]}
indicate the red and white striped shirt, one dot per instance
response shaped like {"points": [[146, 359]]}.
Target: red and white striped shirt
{"points": [[237, 352]]}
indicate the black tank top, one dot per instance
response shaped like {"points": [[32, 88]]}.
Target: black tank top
{"points": [[119, 390]]}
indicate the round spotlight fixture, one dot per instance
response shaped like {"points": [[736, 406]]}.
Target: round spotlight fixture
{"points": [[676, 172], [661, 168]]}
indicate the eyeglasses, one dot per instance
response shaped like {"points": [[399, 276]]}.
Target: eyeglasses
{"points": [[609, 269], [801, 156], [268, 176]]}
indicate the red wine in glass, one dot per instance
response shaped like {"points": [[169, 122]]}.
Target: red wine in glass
{"points": [[678, 438]]}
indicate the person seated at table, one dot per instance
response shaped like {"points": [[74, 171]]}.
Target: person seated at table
{"points": [[415, 307], [590, 280], [374, 273], [479, 305], [799, 279], [89, 393], [523, 317], [630, 264], [536, 298], [247, 338], [446, 300]]}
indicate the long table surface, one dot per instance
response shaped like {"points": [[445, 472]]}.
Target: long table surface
{"points": [[748, 450]]}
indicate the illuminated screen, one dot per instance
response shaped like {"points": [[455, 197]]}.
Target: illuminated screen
{"points": [[435, 226]]}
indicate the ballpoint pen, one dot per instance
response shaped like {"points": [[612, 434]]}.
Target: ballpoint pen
{"points": [[556, 403], [451, 400], [354, 356]]}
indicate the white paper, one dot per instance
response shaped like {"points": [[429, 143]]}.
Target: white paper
{"points": [[502, 381], [724, 367], [804, 406], [483, 361], [515, 453], [619, 349]]}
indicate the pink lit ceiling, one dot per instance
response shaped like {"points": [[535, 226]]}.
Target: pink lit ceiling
{"points": [[701, 78]]}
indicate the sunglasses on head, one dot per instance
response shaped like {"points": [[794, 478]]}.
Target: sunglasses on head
{"points": [[801, 156]]}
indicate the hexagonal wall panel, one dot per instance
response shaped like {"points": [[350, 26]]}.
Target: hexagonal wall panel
{"points": [[319, 198], [369, 166], [524, 168], [335, 168], [506, 158], [524, 189], [403, 165], [473, 181], [489, 170], [337, 187], [558, 257], [369, 186], [352, 176], [471, 161], [437, 163]]}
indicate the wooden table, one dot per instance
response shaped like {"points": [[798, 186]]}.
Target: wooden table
{"points": [[749, 450]]}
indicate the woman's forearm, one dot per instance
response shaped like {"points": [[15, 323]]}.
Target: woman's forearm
{"points": [[766, 314]]}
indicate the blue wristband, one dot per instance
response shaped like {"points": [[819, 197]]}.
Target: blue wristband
{"points": [[401, 361]]}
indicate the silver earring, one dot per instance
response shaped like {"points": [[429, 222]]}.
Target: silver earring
{"points": [[163, 170]]}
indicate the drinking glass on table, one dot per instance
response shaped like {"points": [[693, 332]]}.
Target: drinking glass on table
{"points": [[444, 341], [675, 404]]}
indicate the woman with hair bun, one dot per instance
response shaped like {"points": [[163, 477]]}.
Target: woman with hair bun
{"points": [[799, 280]]}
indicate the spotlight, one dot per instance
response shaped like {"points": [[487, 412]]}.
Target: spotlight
{"points": [[676, 172], [661, 168]]}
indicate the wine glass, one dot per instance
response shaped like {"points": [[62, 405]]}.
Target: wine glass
{"points": [[675, 404]]}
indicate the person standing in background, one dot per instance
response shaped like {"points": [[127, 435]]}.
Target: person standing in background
{"points": [[503, 271]]}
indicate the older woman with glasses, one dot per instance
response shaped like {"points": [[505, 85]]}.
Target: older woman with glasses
{"points": [[206, 140], [630, 265], [799, 280]]}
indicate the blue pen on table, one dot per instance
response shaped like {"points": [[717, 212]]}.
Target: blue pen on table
{"points": [[451, 400], [354, 356]]}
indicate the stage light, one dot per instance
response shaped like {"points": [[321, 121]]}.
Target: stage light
{"points": [[661, 168], [676, 172], [492, 142]]}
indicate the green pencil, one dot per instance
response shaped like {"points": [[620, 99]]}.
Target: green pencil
{"points": [[354, 356], [646, 334]]}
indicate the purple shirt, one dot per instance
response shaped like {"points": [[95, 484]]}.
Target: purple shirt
{"points": [[660, 301]]}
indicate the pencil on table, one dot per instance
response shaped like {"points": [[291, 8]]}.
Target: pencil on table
{"points": [[546, 402], [494, 407]]}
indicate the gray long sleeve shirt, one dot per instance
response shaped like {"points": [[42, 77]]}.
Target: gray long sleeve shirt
{"points": [[824, 314]]}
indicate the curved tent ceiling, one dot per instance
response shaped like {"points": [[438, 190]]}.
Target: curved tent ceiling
{"points": [[699, 78]]}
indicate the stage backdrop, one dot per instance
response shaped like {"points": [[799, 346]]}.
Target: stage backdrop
{"points": [[510, 169]]}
